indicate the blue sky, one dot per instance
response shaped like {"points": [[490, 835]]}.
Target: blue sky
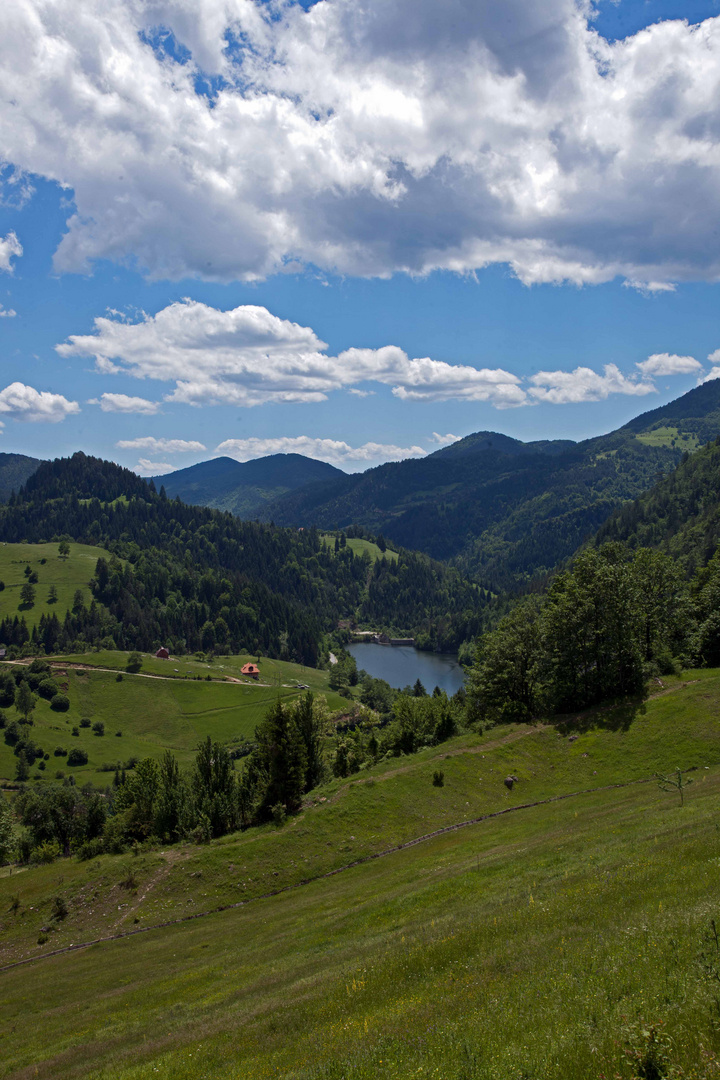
{"points": [[356, 250]]}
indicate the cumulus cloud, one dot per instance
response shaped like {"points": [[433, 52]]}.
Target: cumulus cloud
{"points": [[7, 313], [584, 384], [334, 451], [124, 403], [10, 247], [369, 137], [35, 406], [145, 467], [714, 373], [248, 356], [444, 440], [160, 446], [669, 364]]}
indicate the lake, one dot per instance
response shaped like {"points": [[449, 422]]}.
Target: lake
{"points": [[401, 665]]}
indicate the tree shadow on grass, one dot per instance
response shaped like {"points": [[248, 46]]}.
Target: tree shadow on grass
{"points": [[614, 716]]}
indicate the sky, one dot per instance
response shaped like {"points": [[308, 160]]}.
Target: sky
{"points": [[353, 229]]}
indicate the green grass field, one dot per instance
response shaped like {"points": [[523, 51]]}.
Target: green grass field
{"points": [[67, 575], [155, 714], [670, 436], [358, 546], [567, 939]]}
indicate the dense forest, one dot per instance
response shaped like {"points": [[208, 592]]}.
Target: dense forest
{"points": [[194, 578]]}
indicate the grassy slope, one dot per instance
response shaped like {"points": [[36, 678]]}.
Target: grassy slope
{"points": [[155, 714], [541, 943], [358, 546], [670, 436], [67, 574]]}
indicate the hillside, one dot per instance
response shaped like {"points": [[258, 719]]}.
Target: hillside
{"points": [[243, 488], [680, 514], [508, 511], [15, 469], [195, 578], [560, 929]]}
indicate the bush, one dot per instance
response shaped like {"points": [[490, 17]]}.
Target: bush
{"points": [[91, 849], [60, 703], [98, 728], [59, 908], [85, 722], [438, 778], [75, 732], [41, 764], [119, 677], [77, 756], [48, 688], [60, 751], [47, 852], [118, 734]]}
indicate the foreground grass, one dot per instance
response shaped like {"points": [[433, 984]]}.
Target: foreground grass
{"points": [[67, 575], [563, 940]]}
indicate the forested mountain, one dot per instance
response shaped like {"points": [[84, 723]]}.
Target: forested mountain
{"points": [[508, 512], [679, 515], [14, 471], [191, 578], [244, 488]]}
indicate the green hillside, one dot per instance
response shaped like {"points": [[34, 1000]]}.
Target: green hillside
{"points": [[170, 711], [15, 469], [509, 512], [66, 574], [570, 936]]}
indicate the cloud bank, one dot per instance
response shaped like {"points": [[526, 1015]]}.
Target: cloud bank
{"points": [[368, 137], [334, 451], [247, 356], [10, 247]]}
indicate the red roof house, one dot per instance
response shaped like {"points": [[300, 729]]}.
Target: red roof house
{"points": [[251, 669], [163, 654]]}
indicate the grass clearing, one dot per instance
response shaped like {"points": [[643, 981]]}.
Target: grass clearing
{"points": [[67, 575], [565, 940], [358, 546], [670, 436]]}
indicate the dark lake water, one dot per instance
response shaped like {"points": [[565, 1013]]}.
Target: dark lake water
{"points": [[401, 665]]}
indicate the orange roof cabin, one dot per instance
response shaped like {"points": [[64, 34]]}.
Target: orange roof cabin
{"points": [[251, 669], [163, 654]]}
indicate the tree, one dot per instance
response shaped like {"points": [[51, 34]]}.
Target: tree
{"points": [[78, 603], [675, 782], [7, 833], [63, 549], [25, 700], [311, 721], [52, 595], [282, 757], [213, 786], [27, 594], [134, 662], [22, 769], [505, 683], [62, 813]]}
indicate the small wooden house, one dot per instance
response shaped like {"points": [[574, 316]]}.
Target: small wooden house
{"points": [[162, 654], [251, 669]]}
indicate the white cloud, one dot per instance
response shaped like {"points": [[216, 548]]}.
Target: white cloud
{"points": [[361, 393], [10, 247], [713, 373], [335, 451], [584, 384], [669, 364], [248, 356], [160, 446], [444, 440], [145, 467], [7, 313], [369, 137], [123, 403], [25, 403]]}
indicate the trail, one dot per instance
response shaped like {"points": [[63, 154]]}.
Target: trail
{"points": [[320, 877]]}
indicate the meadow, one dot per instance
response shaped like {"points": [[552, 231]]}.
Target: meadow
{"points": [[563, 938], [358, 546], [66, 574], [145, 715]]}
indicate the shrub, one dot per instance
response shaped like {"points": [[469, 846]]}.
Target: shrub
{"points": [[98, 728], [60, 751], [47, 852], [59, 775], [91, 849], [60, 703], [119, 677], [85, 722], [77, 756], [118, 734], [41, 764], [59, 908], [279, 813], [75, 732], [48, 688], [438, 778]]}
